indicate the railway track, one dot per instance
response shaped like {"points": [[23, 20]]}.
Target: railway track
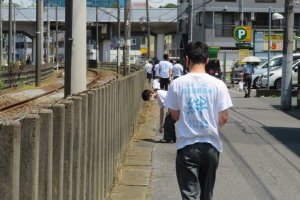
{"points": [[24, 102]]}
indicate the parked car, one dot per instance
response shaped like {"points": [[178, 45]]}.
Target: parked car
{"points": [[237, 71], [276, 75], [213, 68], [263, 67]]}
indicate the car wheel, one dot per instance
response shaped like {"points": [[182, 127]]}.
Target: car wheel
{"points": [[278, 84], [255, 83]]}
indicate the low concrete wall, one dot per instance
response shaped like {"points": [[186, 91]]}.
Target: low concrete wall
{"points": [[71, 150]]}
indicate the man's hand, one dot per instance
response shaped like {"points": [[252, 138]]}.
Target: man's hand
{"points": [[160, 129]]}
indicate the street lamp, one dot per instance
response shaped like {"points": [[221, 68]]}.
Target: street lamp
{"points": [[275, 16]]}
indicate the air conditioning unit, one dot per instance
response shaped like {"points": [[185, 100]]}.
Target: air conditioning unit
{"points": [[104, 29], [252, 16]]}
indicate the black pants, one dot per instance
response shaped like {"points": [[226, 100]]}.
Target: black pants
{"points": [[196, 167], [247, 83], [164, 83], [169, 129]]}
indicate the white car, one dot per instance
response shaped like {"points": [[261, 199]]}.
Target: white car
{"points": [[263, 67], [276, 75]]}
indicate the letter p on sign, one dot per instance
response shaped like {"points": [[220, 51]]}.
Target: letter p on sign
{"points": [[242, 33]]}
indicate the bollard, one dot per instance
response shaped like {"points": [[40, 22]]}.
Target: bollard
{"points": [[29, 159], [10, 137], [58, 150]]}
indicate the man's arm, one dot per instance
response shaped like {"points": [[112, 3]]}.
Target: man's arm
{"points": [[161, 119], [175, 114], [223, 117]]}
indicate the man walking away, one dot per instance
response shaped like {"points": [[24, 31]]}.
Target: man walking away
{"points": [[164, 72], [177, 70], [200, 102], [247, 78], [148, 67], [156, 69]]}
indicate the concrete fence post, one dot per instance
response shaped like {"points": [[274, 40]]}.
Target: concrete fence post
{"points": [[29, 160], [106, 139], [46, 155], [77, 145], [83, 153], [90, 128], [101, 140], [10, 138], [58, 150], [68, 150], [95, 146]]}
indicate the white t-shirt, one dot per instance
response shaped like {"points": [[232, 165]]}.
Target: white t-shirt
{"points": [[156, 69], [199, 97], [177, 69], [155, 84], [164, 67], [148, 67], [161, 97]]}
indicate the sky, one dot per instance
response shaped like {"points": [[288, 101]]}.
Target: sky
{"points": [[153, 3]]}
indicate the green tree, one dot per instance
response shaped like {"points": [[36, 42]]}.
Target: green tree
{"points": [[115, 5], [169, 5]]}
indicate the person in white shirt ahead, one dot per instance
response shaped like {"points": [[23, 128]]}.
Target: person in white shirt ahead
{"points": [[164, 72], [148, 68], [200, 103], [177, 70]]}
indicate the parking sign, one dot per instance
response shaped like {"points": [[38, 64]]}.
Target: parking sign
{"points": [[242, 33]]}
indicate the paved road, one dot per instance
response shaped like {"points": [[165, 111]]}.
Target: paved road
{"points": [[260, 160]]}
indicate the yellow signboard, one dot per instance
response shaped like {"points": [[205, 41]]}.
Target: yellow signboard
{"points": [[243, 53], [143, 50]]}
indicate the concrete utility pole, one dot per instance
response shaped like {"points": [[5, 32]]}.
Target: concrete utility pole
{"points": [[56, 42], [38, 61], [148, 30], [119, 38], [189, 18], [10, 33], [97, 37], [75, 49], [286, 82], [15, 33], [48, 34], [1, 35], [127, 36]]}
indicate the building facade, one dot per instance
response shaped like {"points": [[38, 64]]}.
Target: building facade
{"points": [[214, 23]]}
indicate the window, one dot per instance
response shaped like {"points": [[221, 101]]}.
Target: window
{"points": [[265, 1], [224, 24], [133, 41], [199, 18], [61, 44]]}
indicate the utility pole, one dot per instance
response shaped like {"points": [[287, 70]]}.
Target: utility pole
{"points": [[148, 29], [119, 38], [38, 43], [190, 24], [97, 36], [48, 34], [10, 33], [1, 35], [127, 36], [56, 41], [286, 83], [14, 43]]}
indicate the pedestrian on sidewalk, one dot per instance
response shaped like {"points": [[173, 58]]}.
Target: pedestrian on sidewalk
{"points": [[148, 68], [248, 70], [165, 68], [177, 70], [169, 125], [200, 102]]}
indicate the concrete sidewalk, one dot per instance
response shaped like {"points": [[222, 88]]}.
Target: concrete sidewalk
{"points": [[136, 174]]}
